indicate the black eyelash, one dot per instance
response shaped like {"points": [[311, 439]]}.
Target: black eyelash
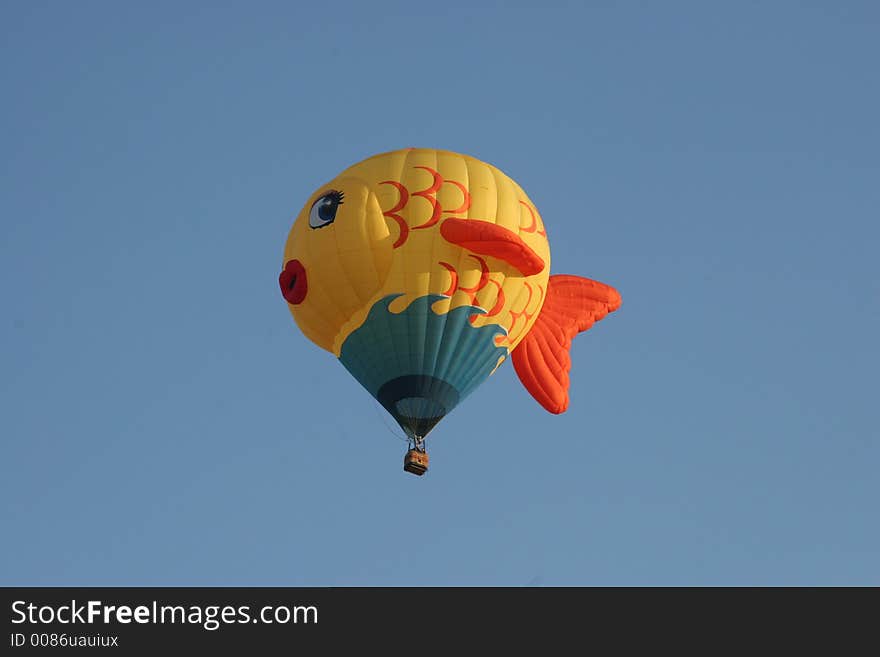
{"points": [[336, 195]]}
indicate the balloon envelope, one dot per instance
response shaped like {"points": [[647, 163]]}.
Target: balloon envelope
{"points": [[420, 270]]}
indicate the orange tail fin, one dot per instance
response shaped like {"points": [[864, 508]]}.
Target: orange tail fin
{"points": [[541, 359]]}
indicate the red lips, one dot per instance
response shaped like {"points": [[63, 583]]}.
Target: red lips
{"points": [[293, 282]]}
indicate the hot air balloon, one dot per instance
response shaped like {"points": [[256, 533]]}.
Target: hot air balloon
{"points": [[422, 270]]}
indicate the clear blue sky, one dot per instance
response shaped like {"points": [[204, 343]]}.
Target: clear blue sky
{"points": [[164, 422]]}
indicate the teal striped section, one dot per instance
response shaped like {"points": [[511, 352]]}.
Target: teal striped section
{"points": [[420, 364]]}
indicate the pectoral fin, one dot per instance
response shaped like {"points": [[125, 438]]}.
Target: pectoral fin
{"points": [[489, 239]]}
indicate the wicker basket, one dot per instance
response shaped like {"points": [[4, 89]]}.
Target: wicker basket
{"points": [[416, 462]]}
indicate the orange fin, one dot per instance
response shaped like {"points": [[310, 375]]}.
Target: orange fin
{"points": [[492, 240], [541, 359]]}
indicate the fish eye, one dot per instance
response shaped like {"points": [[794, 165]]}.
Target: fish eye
{"points": [[323, 211]]}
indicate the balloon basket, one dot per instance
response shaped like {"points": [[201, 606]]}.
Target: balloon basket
{"points": [[416, 462]]}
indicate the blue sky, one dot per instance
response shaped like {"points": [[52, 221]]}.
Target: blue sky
{"points": [[163, 422]]}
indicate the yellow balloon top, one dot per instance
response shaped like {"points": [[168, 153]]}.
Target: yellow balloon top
{"points": [[416, 222]]}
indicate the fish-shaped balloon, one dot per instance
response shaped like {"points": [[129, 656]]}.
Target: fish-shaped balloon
{"points": [[422, 270]]}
